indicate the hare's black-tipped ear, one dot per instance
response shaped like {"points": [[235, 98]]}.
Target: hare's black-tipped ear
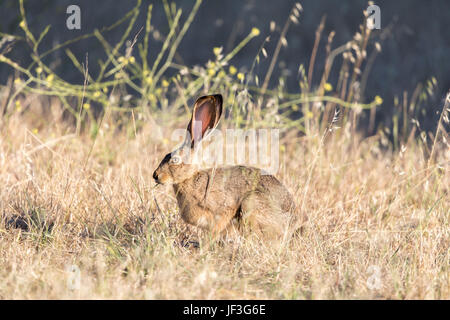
{"points": [[205, 115]]}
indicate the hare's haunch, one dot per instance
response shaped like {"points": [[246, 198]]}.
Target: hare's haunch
{"points": [[214, 198]]}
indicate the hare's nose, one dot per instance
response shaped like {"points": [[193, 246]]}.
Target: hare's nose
{"points": [[155, 176]]}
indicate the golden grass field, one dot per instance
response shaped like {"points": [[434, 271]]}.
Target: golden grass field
{"points": [[82, 218], [67, 200]]}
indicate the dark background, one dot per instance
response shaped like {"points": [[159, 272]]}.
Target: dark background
{"points": [[417, 48]]}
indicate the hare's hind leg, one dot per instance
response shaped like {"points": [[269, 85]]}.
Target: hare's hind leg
{"points": [[261, 214]]}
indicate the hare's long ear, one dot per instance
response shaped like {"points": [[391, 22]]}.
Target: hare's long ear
{"points": [[205, 115]]}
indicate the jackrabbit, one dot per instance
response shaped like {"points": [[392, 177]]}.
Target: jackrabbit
{"points": [[221, 199]]}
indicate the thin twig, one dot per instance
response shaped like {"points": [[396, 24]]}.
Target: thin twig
{"points": [[314, 52]]}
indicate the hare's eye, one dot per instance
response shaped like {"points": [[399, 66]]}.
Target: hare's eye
{"points": [[175, 160]]}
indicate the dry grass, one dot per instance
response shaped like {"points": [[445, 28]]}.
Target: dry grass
{"points": [[65, 200]]}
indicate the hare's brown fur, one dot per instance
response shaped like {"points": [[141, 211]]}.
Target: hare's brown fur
{"points": [[214, 198]]}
